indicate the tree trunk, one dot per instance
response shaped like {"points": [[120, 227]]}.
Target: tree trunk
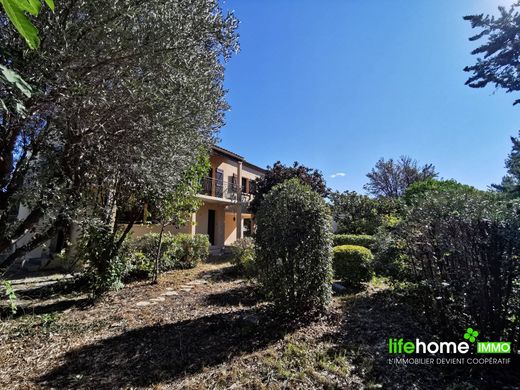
{"points": [[158, 256]]}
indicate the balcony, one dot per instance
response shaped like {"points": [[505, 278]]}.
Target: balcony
{"points": [[223, 190]]}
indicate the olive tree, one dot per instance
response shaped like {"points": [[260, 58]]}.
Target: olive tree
{"points": [[125, 94], [294, 247]]}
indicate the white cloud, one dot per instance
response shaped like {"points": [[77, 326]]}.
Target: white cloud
{"points": [[338, 174]]}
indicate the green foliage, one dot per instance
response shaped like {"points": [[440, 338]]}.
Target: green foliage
{"points": [[16, 12], [124, 124], [390, 258], [360, 214], [11, 296], [177, 251], [99, 249], [354, 239], [497, 63], [353, 264], [463, 247], [511, 182], [176, 206], [422, 188], [243, 256], [391, 178], [48, 320], [191, 249], [293, 247], [279, 173]]}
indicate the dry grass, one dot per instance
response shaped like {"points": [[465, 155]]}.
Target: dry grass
{"points": [[217, 335]]}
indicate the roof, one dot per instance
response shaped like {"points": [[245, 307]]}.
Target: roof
{"points": [[228, 153]]}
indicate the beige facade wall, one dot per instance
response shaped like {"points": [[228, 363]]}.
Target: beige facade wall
{"points": [[230, 228], [201, 226], [225, 213], [139, 230], [230, 167]]}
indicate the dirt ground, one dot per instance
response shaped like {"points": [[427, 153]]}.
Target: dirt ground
{"points": [[209, 328]]}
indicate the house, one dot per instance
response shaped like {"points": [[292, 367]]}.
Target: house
{"points": [[223, 216], [226, 193]]}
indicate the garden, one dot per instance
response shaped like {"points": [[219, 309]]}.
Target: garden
{"points": [[321, 294], [295, 306]]}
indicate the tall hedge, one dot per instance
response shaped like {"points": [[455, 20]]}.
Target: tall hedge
{"points": [[294, 247], [354, 239], [464, 250]]}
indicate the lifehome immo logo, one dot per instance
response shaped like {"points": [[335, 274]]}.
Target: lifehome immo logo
{"points": [[405, 351]]}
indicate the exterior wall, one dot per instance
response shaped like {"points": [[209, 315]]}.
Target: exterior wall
{"points": [[228, 166], [201, 226], [230, 228], [250, 172], [139, 230]]}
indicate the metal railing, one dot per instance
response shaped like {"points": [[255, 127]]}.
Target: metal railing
{"points": [[222, 189]]}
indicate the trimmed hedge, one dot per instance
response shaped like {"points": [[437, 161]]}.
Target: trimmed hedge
{"points": [[293, 248], [354, 239], [353, 264], [177, 251]]}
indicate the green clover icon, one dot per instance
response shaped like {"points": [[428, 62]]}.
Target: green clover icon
{"points": [[471, 335]]}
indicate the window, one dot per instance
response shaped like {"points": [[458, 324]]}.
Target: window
{"points": [[252, 186], [244, 185], [247, 227]]}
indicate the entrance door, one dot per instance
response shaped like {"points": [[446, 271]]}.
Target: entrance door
{"points": [[211, 226], [219, 183]]}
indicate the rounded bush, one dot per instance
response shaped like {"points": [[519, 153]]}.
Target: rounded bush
{"points": [[293, 247], [243, 256], [353, 264], [354, 239]]}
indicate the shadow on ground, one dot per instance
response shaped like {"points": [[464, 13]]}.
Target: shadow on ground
{"points": [[244, 295], [369, 320], [154, 354], [225, 274]]}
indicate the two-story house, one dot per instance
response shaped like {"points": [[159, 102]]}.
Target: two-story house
{"points": [[223, 216], [226, 193]]}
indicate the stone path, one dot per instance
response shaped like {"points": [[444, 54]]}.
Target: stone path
{"points": [[170, 293]]}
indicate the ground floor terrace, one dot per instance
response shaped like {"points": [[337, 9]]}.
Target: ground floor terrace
{"points": [[223, 221]]}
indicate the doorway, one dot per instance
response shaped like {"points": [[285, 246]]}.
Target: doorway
{"points": [[211, 226]]}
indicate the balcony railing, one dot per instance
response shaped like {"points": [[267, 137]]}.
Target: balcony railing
{"points": [[222, 189]]}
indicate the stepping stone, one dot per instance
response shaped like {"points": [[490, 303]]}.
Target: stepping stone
{"points": [[169, 288], [186, 286], [338, 288], [186, 289], [143, 303], [170, 293], [158, 299], [198, 282]]}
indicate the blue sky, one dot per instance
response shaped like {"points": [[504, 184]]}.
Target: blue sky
{"points": [[338, 84]]}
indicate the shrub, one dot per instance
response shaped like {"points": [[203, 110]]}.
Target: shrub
{"points": [[390, 258], [243, 256], [463, 246], [107, 264], [360, 214], [10, 296], [177, 251], [293, 247], [354, 239], [190, 249], [353, 264]]}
